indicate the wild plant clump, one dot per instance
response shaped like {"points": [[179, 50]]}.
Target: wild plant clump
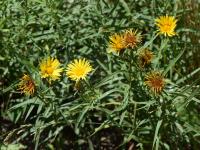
{"points": [[96, 75]]}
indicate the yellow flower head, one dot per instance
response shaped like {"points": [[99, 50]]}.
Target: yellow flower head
{"points": [[132, 38], [78, 69], [155, 81], [166, 25], [26, 85], [116, 43], [145, 57], [50, 68]]}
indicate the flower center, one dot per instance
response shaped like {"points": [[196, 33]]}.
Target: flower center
{"points": [[49, 70], [148, 57], [157, 82], [119, 46], [167, 27], [130, 39], [80, 72]]}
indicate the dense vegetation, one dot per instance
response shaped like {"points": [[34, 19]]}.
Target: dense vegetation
{"points": [[140, 95]]}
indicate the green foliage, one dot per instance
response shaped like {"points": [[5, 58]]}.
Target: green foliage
{"points": [[12, 147], [114, 99]]}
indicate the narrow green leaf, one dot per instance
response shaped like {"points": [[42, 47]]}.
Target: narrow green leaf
{"points": [[29, 111], [156, 138], [27, 102], [172, 63]]}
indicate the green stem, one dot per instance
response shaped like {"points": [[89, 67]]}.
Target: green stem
{"points": [[90, 87], [130, 73], [148, 43]]}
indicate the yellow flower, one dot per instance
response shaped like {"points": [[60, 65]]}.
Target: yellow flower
{"points": [[78, 69], [50, 68], [132, 38], [26, 85], [155, 81], [145, 57], [116, 43], [166, 25]]}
